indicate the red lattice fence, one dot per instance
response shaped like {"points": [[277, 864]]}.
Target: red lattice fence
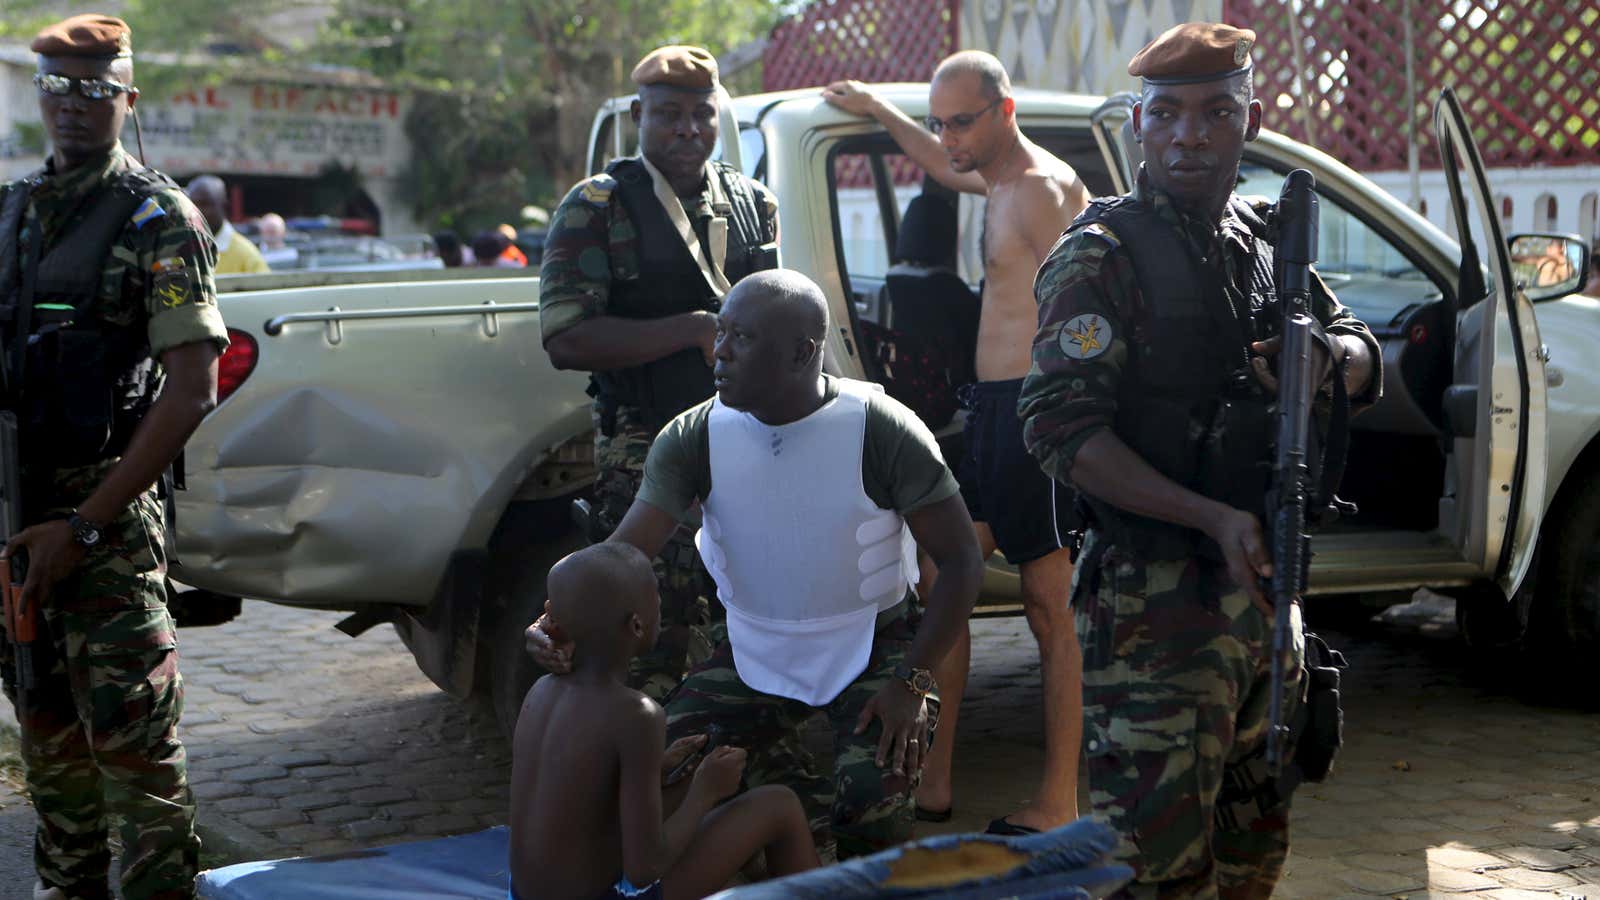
{"points": [[868, 40], [1527, 71]]}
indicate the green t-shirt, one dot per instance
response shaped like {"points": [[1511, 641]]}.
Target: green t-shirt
{"points": [[901, 467]]}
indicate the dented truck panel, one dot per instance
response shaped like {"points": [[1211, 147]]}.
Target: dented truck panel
{"points": [[368, 447]]}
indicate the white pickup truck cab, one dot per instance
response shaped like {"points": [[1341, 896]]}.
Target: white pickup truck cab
{"points": [[405, 450]]}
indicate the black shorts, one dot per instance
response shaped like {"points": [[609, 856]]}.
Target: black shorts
{"points": [[1029, 514]]}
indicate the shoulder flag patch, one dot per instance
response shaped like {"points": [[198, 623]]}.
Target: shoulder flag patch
{"points": [[1102, 232], [147, 212]]}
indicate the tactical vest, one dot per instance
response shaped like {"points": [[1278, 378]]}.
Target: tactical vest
{"points": [[670, 282], [84, 383], [1187, 402]]}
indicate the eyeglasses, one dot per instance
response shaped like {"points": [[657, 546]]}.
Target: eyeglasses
{"points": [[959, 122], [92, 88]]}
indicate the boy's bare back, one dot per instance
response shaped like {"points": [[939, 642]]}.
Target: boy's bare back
{"points": [[565, 783]]}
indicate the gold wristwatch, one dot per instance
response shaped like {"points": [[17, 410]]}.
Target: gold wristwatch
{"points": [[918, 681]]}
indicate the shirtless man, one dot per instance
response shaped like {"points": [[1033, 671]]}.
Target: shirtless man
{"points": [[587, 807], [972, 144]]}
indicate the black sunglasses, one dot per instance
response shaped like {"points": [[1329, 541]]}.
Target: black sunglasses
{"points": [[92, 88], [959, 122]]}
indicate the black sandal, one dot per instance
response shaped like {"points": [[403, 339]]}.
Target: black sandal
{"points": [[1007, 828]]}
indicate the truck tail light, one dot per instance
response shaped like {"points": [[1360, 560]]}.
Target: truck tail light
{"points": [[236, 364]]}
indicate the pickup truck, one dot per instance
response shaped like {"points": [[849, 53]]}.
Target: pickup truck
{"points": [[404, 450]]}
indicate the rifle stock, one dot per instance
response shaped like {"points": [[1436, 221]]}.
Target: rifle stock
{"points": [[1291, 488]]}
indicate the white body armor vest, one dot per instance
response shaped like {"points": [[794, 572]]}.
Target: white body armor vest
{"points": [[803, 559]]}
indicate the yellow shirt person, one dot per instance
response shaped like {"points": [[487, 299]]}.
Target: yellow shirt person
{"points": [[236, 255]]}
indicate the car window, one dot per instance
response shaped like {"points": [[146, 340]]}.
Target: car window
{"points": [[863, 184], [753, 151], [1367, 271]]}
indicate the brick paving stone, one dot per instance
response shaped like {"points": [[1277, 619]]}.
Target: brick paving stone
{"points": [[350, 782], [369, 830], [274, 725], [272, 818], [1540, 858], [1516, 894], [1551, 840], [1456, 881], [218, 790], [221, 763], [1368, 881], [1381, 862], [378, 796], [1464, 860], [252, 774], [308, 833], [1531, 879], [309, 802], [245, 803], [280, 787], [324, 771], [445, 823], [294, 759], [338, 815]]}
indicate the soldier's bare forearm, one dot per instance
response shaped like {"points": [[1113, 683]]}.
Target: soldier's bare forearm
{"points": [[1107, 469], [189, 394], [604, 343], [945, 531]]}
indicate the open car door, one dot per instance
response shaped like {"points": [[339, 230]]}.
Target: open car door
{"points": [[1497, 398], [1112, 124]]}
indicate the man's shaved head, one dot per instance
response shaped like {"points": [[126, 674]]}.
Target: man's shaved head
{"points": [[789, 300], [770, 334], [993, 81], [594, 592]]}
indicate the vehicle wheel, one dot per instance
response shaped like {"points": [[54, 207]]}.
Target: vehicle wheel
{"points": [[1566, 611], [517, 594]]}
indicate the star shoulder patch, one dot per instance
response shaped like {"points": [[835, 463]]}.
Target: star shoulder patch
{"points": [[1085, 336]]}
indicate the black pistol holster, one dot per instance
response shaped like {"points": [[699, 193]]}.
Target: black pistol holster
{"points": [[1321, 719]]}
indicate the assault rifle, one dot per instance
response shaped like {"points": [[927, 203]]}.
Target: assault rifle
{"points": [[1292, 487], [22, 622]]}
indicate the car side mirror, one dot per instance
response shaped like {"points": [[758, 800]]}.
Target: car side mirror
{"points": [[1549, 265]]}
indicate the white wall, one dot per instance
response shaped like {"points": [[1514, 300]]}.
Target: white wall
{"points": [[1575, 189]]}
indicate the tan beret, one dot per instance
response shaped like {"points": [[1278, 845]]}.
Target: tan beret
{"points": [[690, 68], [92, 35], [1194, 52]]}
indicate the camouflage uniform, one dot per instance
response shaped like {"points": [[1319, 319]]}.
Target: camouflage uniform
{"points": [[862, 807], [592, 244], [101, 721], [1176, 658]]}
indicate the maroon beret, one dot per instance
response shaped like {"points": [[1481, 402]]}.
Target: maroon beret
{"points": [[1194, 52], [91, 35]]}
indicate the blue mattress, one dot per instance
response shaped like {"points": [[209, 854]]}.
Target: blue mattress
{"points": [[1069, 862]]}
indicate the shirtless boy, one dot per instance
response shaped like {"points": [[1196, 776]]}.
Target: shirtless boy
{"points": [[972, 144], [590, 758]]}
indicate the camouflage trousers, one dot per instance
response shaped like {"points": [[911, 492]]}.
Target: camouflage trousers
{"points": [[691, 619], [99, 725], [861, 807], [1176, 669]]}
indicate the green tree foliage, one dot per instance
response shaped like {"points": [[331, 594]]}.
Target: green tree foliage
{"points": [[505, 89]]}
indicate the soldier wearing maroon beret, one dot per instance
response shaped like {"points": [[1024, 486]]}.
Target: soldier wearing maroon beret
{"points": [[109, 337], [1150, 393], [636, 262]]}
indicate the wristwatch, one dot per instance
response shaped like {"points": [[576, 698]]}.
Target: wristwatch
{"points": [[85, 532], [919, 681]]}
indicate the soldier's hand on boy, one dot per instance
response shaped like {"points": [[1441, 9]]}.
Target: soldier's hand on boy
{"points": [[551, 649], [719, 773]]}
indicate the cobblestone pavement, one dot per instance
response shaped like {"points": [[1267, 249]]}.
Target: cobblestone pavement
{"points": [[305, 741]]}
